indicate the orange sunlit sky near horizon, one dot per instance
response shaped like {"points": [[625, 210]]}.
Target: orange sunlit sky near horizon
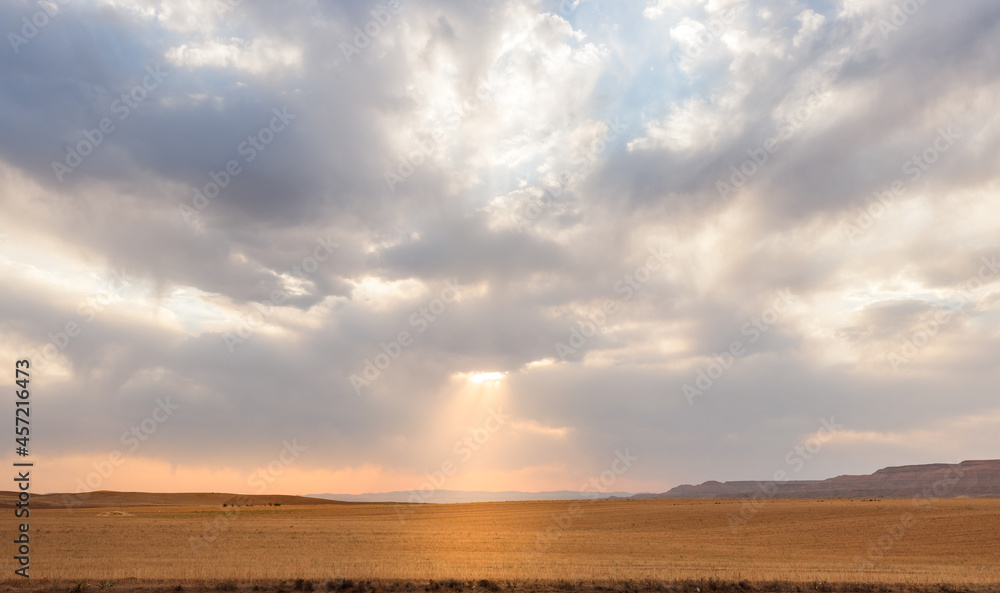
{"points": [[349, 247]]}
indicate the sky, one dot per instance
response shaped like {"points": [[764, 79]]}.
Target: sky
{"points": [[308, 246]]}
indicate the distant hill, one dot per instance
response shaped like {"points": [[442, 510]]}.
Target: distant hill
{"points": [[974, 479], [107, 498], [449, 496]]}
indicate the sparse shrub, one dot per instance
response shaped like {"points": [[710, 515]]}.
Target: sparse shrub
{"points": [[226, 586], [488, 585], [330, 586]]}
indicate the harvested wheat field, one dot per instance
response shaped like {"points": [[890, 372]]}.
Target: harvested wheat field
{"points": [[805, 541]]}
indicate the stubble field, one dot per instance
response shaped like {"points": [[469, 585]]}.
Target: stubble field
{"points": [[803, 541]]}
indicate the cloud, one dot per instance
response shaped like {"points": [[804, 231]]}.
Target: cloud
{"points": [[638, 180]]}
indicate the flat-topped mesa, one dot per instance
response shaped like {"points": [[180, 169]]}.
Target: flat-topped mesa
{"points": [[974, 479]]}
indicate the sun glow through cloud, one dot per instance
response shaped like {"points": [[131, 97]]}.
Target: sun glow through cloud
{"points": [[491, 379]]}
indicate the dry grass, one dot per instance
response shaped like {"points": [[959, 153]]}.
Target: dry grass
{"points": [[802, 541], [488, 586]]}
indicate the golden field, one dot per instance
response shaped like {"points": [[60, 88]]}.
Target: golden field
{"points": [[950, 540]]}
